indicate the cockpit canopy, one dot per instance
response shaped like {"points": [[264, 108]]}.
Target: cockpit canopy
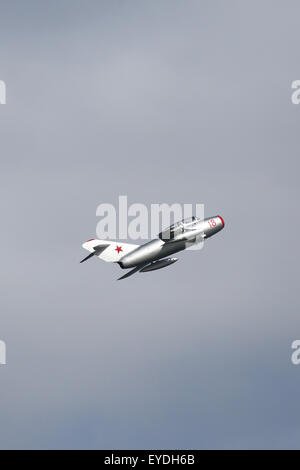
{"points": [[178, 228]]}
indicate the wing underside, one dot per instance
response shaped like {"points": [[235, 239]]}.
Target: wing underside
{"points": [[109, 251]]}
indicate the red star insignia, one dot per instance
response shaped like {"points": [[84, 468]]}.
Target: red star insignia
{"points": [[118, 249]]}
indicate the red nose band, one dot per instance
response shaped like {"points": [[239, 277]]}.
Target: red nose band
{"points": [[222, 220]]}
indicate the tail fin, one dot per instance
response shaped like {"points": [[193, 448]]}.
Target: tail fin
{"points": [[108, 251]]}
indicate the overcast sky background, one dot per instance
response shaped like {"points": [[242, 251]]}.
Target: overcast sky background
{"points": [[164, 101]]}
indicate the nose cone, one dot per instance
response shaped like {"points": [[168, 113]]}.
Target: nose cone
{"points": [[222, 220]]}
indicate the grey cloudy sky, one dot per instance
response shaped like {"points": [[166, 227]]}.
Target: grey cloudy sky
{"points": [[164, 101]]}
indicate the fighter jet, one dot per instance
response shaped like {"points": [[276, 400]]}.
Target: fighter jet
{"points": [[155, 254]]}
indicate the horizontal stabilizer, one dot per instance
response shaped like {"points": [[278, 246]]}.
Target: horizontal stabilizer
{"points": [[130, 273]]}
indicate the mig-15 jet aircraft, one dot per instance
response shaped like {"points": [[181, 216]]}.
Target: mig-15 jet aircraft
{"points": [[155, 254]]}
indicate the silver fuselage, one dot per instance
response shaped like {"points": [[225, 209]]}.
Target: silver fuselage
{"points": [[186, 235]]}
